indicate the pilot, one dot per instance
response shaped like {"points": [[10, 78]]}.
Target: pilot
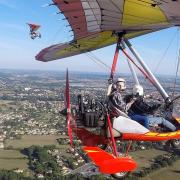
{"points": [[116, 104], [141, 111], [34, 34]]}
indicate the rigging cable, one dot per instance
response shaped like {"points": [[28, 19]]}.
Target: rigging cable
{"points": [[92, 57], [100, 61], [177, 70], [164, 54], [139, 68], [96, 60], [61, 29]]}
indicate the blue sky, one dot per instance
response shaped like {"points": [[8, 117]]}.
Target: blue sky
{"points": [[17, 50]]}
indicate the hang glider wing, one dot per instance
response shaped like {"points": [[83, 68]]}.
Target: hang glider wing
{"points": [[94, 23], [33, 27]]}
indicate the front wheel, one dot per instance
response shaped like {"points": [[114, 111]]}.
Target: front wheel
{"points": [[120, 175]]}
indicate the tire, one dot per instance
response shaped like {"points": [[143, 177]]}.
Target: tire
{"points": [[175, 143], [120, 175]]}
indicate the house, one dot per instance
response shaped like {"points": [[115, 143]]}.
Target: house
{"points": [[1, 145], [39, 176], [18, 170]]}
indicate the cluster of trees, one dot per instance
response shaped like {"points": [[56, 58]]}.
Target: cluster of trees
{"points": [[41, 162], [8, 175], [80, 177], [159, 162], [135, 146], [63, 141], [10, 123]]}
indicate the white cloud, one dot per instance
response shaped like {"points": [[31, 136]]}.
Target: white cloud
{"points": [[7, 3], [13, 26], [9, 46]]}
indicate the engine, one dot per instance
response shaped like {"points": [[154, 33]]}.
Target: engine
{"points": [[90, 112]]}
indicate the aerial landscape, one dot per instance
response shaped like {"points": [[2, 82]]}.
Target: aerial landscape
{"points": [[90, 89], [30, 104]]}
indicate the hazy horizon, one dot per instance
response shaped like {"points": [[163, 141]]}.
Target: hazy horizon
{"points": [[8, 70], [159, 49]]}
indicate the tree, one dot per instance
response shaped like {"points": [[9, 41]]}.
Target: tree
{"points": [[39, 168]]}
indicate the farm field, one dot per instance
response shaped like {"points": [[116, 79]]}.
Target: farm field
{"points": [[29, 140], [12, 159], [10, 164], [172, 172], [11, 154], [144, 157]]}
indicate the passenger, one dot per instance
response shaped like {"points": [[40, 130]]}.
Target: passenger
{"points": [[34, 34], [141, 112]]}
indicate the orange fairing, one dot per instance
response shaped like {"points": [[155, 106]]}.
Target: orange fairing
{"points": [[152, 136], [108, 163]]}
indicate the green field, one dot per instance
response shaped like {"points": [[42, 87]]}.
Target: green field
{"points": [[12, 159], [29, 140], [169, 173], [5, 103], [11, 154], [9, 164], [144, 157]]}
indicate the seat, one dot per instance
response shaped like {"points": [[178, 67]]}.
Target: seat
{"points": [[126, 125]]}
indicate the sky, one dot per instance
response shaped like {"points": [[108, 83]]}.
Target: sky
{"points": [[18, 50]]}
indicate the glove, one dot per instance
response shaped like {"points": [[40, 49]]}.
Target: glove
{"points": [[128, 98], [168, 103], [156, 106]]}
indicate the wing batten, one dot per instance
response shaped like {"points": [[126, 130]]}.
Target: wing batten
{"points": [[91, 8], [74, 13]]}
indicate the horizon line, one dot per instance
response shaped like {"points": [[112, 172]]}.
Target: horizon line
{"points": [[74, 71]]}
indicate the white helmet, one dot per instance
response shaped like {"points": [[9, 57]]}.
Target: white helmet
{"points": [[138, 90], [121, 83], [121, 80]]}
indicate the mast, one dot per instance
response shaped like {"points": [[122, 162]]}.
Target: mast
{"points": [[133, 72], [147, 70]]}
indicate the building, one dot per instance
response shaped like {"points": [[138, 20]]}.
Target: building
{"points": [[1, 142]]}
